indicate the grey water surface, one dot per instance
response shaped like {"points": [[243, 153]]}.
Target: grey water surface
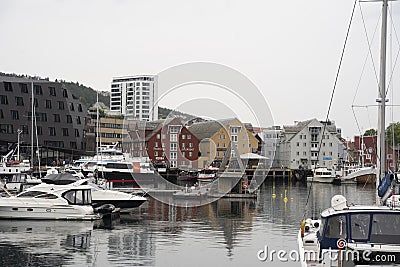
{"points": [[227, 232]]}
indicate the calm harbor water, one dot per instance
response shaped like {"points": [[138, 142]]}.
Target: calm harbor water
{"points": [[224, 233]]}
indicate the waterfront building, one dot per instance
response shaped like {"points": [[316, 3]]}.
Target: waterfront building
{"points": [[166, 142], [299, 145], [365, 152], [59, 118], [111, 128], [215, 137], [269, 145], [135, 97]]}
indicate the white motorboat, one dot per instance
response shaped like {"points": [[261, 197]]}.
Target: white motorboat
{"points": [[49, 201], [126, 202], [19, 182], [322, 175], [208, 174], [347, 235], [130, 173]]}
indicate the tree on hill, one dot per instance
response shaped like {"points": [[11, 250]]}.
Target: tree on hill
{"points": [[370, 132], [393, 133]]}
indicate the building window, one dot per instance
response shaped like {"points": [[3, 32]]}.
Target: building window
{"points": [[14, 115], [80, 108], [78, 120], [1, 114], [38, 89], [190, 153], [69, 119], [389, 156], [158, 136], [56, 117], [3, 99], [24, 88], [173, 137], [190, 144], [65, 131], [65, 93], [183, 136], [6, 128], [189, 136], [52, 131], [61, 105], [172, 155], [173, 146], [71, 106], [73, 145], [48, 104], [7, 86], [52, 91], [155, 153], [155, 144], [76, 132], [19, 100], [39, 130]]}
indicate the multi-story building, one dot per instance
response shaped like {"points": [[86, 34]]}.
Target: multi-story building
{"points": [[59, 118], [111, 129], [166, 142], [135, 97], [216, 136], [366, 152], [300, 145], [269, 146]]}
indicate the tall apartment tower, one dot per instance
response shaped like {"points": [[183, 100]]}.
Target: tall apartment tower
{"points": [[135, 97]]}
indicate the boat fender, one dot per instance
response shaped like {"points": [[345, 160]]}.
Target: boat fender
{"points": [[302, 228]]}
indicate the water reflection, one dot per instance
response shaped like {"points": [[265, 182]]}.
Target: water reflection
{"points": [[225, 232]]}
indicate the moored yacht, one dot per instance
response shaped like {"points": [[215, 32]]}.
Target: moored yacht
{"points": [[348, 235], [322, 175], [49, 201]]}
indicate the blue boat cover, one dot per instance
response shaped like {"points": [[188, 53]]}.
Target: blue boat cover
{"points": [[385, 184]]}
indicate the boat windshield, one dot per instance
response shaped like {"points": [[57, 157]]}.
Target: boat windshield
{"points": [[385, 228], [78, 197], [336, 227], [360, 224]]}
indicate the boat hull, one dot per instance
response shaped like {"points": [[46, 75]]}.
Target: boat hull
{"points": [[43, 212]]}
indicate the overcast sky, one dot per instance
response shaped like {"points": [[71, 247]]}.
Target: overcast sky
{"points": [[289, 49]]}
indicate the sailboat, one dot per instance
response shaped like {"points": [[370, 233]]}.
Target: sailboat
{"points": [[348, 235]]}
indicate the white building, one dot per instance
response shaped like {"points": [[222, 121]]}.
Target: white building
{"points": [[135, 97], [300, 145], [270, 145]]}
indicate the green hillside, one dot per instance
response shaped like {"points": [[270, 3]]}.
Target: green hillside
{"points": [[86, 94]]}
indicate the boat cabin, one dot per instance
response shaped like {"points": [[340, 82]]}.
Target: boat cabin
{"points": [[366, 225], [72, 196]]}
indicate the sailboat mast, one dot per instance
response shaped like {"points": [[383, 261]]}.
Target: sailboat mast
{"points": [[32, 114], [381, 162]]}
